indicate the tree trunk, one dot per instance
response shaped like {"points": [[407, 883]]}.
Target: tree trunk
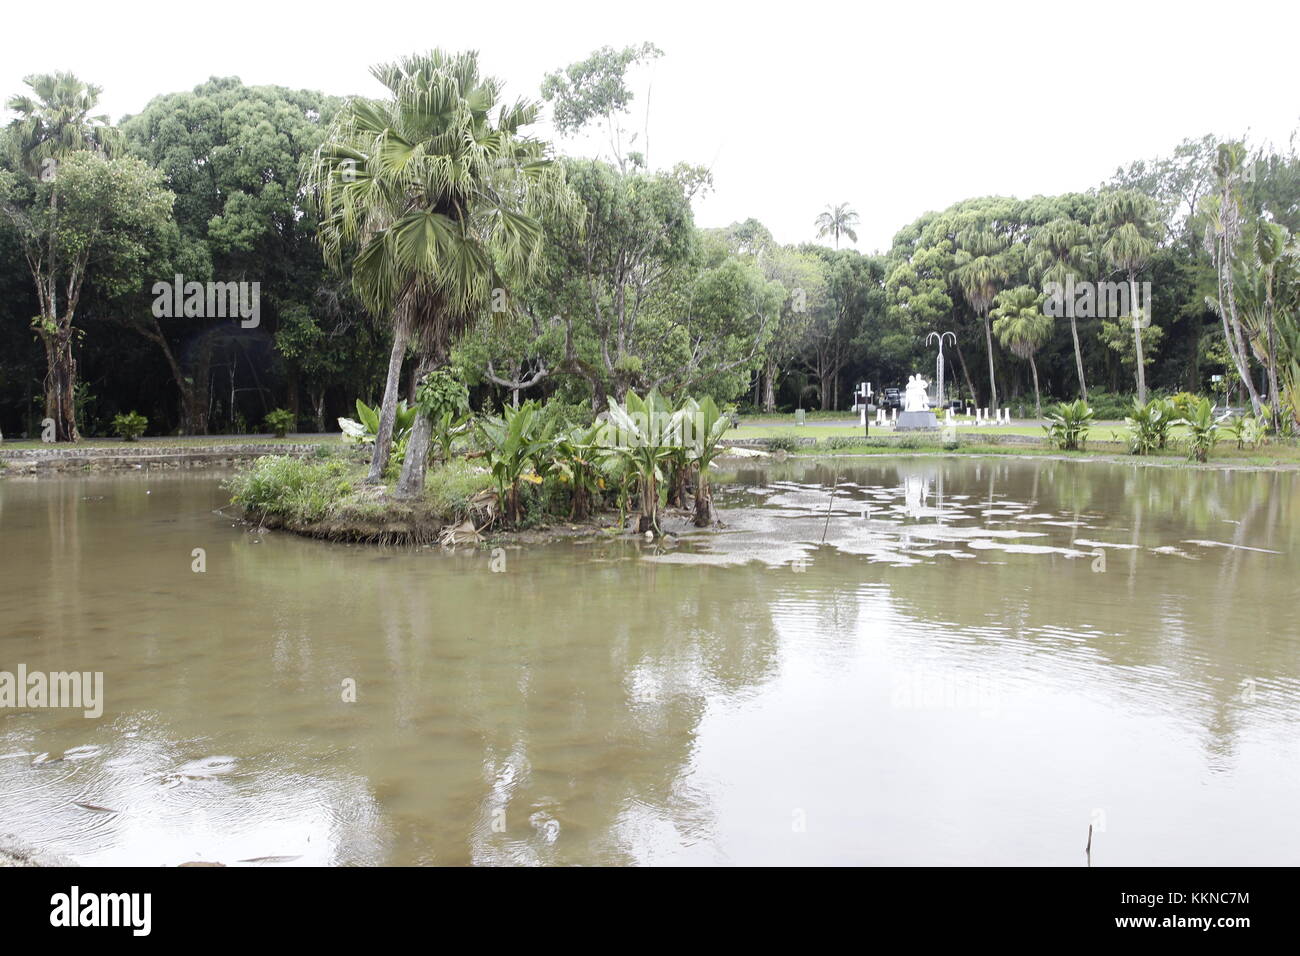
{"points": [[1137, 339], [1274, 399], [416, 462], [295, 406], [769, 387], [60, 383], [318, 407], [1078, 357], [388, 414], [988, 341], [581, 508], [1232, 328], [1038, 405], [704, 513], [649, 520], [965, 374]]}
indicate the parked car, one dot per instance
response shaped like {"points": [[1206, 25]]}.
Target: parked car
{"points": [[892, 398]]}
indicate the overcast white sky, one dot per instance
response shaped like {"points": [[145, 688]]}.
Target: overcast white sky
{"points": [[895, 109]]}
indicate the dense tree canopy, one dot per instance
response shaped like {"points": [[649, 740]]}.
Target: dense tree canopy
{"points": [[623, 291]]}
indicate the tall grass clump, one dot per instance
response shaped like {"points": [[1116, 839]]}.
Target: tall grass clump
{"points": [[291, 488]]}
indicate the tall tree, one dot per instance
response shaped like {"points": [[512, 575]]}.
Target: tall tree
{"points": [[440, 201], [233, 154], [1268, 248], [54, 122], [836, 221], [1058, 250], [596, 89], [1021, 326], [980, 266], [1223, 233], [1128, 223]]}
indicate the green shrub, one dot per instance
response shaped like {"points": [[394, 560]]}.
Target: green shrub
{"points": [[1149, 426], [289, 487], [396, 458], [785, 443], [849, 441], [1183, 404], [1109, 406], [1247, 429], [449, 487], [1067, 427], [279, 420], [366, 426], [565, 416], [1202, 431], [129, 425]]}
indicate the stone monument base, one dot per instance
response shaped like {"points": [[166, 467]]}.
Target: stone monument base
{"points": [[916, 422]]}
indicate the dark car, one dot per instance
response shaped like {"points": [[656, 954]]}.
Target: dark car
{"points": [[892, 398]]}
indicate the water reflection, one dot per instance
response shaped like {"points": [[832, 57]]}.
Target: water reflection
{"points": [[903, 661]]}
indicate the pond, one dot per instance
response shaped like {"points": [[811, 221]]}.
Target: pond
{"points": [[877, 661]]}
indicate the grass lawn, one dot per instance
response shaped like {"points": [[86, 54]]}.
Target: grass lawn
{"points": [[771, 428]]}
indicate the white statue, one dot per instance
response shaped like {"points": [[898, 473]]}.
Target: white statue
{"points": [[915, 398]]}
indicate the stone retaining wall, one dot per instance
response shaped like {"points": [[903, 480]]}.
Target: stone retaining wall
{"points": [[36, 461]]}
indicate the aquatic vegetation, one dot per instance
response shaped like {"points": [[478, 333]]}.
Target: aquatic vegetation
{"points": [[516, 442]]}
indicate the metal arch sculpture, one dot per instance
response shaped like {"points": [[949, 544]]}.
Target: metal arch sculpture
{"points": [[938, 363]]}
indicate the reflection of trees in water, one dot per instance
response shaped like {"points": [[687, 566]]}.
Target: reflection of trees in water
{"points": [[563, 693], [1210, 624]]}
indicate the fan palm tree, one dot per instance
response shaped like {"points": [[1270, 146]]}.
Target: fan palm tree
{"points": [[55, 120], [1127, 220], [1021, 326], [436, 200], [980, 267], [837, 221], [1058, 250]]}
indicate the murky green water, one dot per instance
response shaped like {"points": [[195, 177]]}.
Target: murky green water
{"points": [[982, 658]]}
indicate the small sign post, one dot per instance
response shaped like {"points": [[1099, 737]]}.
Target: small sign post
{"points": [[864, 395]]}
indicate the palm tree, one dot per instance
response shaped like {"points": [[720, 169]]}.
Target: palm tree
{"points": [[980, 267], [1222, 234], [837, 221], [1022, 327], [1127, 220], [1269, 246], [1058, 250], [53, 122], [439, 199]]}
